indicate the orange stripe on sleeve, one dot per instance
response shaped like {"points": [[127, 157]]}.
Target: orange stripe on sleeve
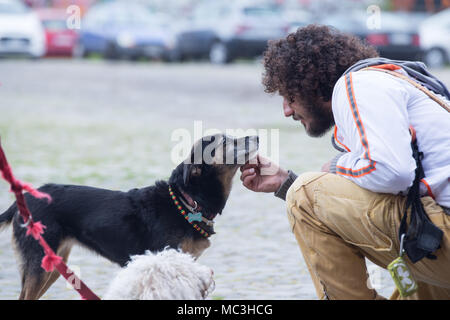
{"points": [[362, 134], [340, 143]]}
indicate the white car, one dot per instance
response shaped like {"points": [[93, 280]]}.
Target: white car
{"points": [[435, 39], [21, 32]]}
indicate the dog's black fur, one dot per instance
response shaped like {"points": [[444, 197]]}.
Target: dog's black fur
{"points": [[118, 224]]}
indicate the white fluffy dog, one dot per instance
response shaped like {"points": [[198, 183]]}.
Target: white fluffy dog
{"points": [[169, 274]]}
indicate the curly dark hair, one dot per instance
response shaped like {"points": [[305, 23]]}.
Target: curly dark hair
{"points": [[307, 63]]}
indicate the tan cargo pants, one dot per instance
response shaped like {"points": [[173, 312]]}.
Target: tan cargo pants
{"points": [[338, 224]]}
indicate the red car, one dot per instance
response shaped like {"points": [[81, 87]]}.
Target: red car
{"points": [[60, 39]]}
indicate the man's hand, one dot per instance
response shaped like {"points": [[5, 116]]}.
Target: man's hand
{"points": [[264, 176]]}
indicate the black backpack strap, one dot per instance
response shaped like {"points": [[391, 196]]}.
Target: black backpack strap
{"points": [[422, 236]]}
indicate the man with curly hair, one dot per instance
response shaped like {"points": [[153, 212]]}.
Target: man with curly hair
{"points": [[352, 210]]}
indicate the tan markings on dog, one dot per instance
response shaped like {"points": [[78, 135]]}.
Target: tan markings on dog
{"points": [[30, 287], [35, 285], [226, 178], [194, 247]]}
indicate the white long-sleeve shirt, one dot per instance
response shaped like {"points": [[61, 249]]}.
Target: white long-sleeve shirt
{"points": [[372, 112]]}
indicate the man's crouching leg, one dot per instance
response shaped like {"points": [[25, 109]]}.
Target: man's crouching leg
{"points": [[331, 218]]}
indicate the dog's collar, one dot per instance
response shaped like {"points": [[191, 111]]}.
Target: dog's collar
{"points": [[194, 207], [192, 215]]}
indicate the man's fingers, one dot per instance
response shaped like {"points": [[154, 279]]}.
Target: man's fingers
{"points": [[247, 173], [264, 162], [248, 166], [248, 180], [261, 163]]}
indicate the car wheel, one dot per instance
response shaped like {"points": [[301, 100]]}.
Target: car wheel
{"points": [[435, 58], [111, 52], [172, 56], [219, 53]]}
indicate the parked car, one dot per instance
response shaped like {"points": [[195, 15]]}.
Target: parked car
{"points": [[395, 37], [59, 38], [21, 32], [297, 18], [435, 38], [125, 30], [225, 30]]}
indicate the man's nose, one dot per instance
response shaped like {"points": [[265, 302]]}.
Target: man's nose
{"points": [[288, 111]]}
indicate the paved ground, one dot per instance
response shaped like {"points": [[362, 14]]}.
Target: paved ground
{"points": [[110, 125]]}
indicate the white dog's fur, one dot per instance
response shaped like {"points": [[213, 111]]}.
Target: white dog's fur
{"points": [[169, 274]]}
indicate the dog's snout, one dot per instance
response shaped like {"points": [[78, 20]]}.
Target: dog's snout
{"points": [[249, 139], [251, 142]]}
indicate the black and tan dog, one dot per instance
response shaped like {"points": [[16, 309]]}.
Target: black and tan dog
{"points": [[118, 224]]}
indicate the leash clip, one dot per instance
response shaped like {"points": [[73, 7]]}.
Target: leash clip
{"points": [[26, 224], [402, 240]]}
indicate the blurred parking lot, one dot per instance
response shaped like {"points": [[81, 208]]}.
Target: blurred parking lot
{"points": [[105, 118], [220, 31]]}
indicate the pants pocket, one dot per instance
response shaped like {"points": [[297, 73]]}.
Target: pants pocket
{"points": [[360, 221]]}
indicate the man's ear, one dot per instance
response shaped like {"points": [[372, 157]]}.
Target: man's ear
{"points": [[190, 170]]}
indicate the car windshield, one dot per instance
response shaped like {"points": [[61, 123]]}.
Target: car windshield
{"points": [[12, 7], [260, 12], [211, 11], [135, 17], [441, 18], [397, 22], [59, 24], [345, 23], [120, 15]]}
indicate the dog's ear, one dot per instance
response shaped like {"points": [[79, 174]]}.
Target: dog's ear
{"points": [[190, 170]]}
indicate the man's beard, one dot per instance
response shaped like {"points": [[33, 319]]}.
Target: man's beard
{"points": [[322, 122]]}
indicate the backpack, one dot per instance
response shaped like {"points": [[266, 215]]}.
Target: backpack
{"points": [[414, 69]]}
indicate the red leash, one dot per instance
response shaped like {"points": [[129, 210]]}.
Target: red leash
{"points": [[36, 230]]}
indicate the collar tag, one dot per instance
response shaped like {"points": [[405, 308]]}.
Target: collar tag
{"points": [[195, 216]]}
